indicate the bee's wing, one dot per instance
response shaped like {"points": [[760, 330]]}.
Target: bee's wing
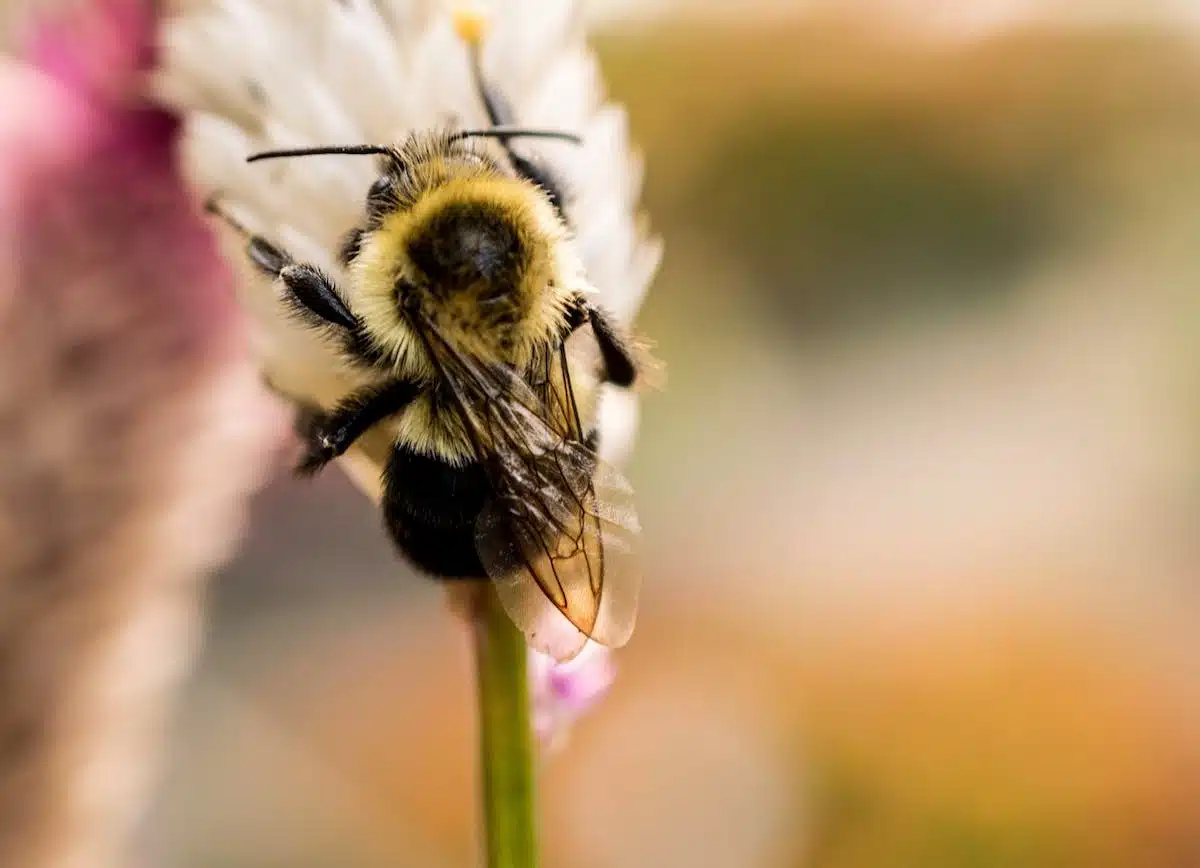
{"points": [[557, 565], [557, 537]]}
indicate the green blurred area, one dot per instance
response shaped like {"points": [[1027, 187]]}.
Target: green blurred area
{"points": [[824, 186], [856, 187], [886, 180]]}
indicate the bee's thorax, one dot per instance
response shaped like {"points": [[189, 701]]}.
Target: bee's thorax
{"points": [[485, 260], [468, 248]]}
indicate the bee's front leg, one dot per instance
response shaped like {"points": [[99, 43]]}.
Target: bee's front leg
{"points": [[307, 291]]}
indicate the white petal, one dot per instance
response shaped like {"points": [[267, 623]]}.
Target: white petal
{"points": [[259, 74]]}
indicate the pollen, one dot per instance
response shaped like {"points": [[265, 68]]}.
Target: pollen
{"points": [[471, 24]]}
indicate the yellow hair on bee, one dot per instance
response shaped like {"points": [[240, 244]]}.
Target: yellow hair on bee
{"points": [[539, 297], [546, 276], [431, 429], [549, 276]]}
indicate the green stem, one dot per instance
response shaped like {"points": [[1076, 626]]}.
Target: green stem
{"points": [[506, 740]]}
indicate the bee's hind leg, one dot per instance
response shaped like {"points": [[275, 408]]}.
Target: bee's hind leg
{"points": [[310, 293]]}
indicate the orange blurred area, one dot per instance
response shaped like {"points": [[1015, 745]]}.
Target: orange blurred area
{"points": [[921, 498]]}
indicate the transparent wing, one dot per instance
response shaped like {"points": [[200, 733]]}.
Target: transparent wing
{"points": [[557, 539], [564, 586]]}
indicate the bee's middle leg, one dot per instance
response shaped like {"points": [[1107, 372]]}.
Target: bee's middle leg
{"points": [[330, 435]]}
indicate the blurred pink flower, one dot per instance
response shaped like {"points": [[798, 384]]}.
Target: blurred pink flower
{"points": [[83, 152], [132, 429], [562, 693]]}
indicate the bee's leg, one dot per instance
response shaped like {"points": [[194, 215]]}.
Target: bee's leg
{"points": [[331, 435], [306, 422], [314, 296], [309, 292], [620, 369], [501, 114], [539, 175]]}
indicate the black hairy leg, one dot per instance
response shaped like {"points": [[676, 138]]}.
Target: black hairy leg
{"points": [[501, 114], [313, 296], [306, 422], [330, 435], [620, 369], [309, 292]]}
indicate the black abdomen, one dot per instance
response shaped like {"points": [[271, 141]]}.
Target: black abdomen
{"points": [[430, 508]]}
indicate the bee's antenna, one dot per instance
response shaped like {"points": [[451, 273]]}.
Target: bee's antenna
{"points": [[515, 133], [329, 149]]}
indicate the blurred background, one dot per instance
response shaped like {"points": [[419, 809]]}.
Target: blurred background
{"points": [[921, 501]]}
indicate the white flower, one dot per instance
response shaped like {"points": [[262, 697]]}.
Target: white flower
{"points": [[258, 74], [252, 75]]}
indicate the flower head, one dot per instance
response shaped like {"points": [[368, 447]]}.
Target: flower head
{"points": [[344, 73], [369, 73]]}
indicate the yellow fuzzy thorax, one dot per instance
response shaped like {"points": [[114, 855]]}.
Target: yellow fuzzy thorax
{"points": [[549, 275]]}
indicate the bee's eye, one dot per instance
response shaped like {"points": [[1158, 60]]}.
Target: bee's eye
{"points": [[379, 196]]}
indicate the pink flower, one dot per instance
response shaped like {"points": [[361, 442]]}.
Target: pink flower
{"points": [[132, 431], [562, 693]]}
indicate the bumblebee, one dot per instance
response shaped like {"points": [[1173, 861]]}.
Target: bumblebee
{"points": [[463, 289]]}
